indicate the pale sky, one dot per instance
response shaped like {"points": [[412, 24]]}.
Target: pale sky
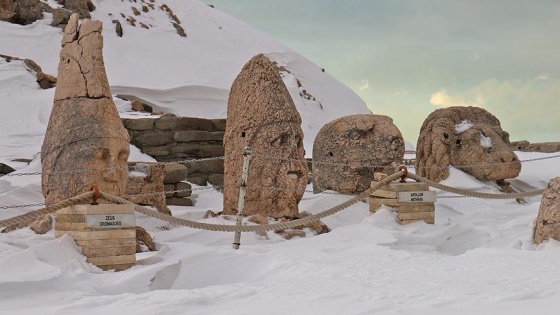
{"points": [[408, 58]]}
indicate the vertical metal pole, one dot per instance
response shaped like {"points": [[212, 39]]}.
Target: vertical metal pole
{"points": [[242, 192]]}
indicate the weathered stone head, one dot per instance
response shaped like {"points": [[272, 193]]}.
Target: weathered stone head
{"points": [[349, 150], [85, 142], [468, 138], [261, 114]]}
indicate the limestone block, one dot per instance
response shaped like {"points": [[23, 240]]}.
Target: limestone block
{"points": [[139, 124], [175, 173], [197, 135], [175, 201], [185, 187]]}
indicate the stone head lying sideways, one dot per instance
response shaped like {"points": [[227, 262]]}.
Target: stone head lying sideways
{"points": [[467, 138]]}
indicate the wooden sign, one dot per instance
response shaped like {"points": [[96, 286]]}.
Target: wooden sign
{"points": [[417, 196]]}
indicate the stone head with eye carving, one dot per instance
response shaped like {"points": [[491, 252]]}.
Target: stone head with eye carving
{"points": [[262, 115], [85, 142], [349, 150], [467, 138]]}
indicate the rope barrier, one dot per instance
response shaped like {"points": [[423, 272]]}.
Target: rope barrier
{"points": [[253, 228], [472, 193], [25, 219], [354, 164]]}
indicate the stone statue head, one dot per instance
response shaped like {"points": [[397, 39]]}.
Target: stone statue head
{"points": [[468, 138], [349, 150]]}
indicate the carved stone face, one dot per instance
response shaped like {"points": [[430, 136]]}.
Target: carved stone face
{"points": [[483, 147], [276, 150], [101, 161], [349, 150]]}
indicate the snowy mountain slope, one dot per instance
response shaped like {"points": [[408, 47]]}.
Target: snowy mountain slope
{"points": [[187, 76]]}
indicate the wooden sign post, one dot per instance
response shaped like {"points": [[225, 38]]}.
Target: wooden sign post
{"points": [[411, 200], [106, 233]]}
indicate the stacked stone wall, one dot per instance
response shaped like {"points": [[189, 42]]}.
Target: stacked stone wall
{"points": [[170, 138]]}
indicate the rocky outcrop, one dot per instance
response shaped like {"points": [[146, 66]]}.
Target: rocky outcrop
{"points": [[468, 138], [262, 115], [85, 142], [349, 150], [44, 80], [171, 138], [6, 169], [25, 12], [548, 220]]}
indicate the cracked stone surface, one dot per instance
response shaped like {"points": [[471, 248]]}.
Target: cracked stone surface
{"points": [[465, 135], [548, 221], [85, 142], [349, 150], [261, 114]]}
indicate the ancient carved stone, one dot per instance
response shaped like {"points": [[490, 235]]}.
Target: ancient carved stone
{"points": [[349, 150], [262, 115], [468, 138], [548, 220], [85, 142], [42, 224], [144, 240], [145, 185]]}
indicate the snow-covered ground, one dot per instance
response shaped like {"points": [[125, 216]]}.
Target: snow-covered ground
{"points": [[478, 257]]}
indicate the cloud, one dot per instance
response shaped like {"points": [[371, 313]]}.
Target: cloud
{"points": [[527, 107], [364, 85], [442, 99]]}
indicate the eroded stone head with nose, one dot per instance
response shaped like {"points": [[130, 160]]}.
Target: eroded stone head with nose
{"points": [[468, 138]]}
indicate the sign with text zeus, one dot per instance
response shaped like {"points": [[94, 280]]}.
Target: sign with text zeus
{"points": [[110, 221], [417, 196]]}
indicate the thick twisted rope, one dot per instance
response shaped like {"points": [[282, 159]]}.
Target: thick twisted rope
{"points": [[472, 193], [254, 228], [25, 219]]}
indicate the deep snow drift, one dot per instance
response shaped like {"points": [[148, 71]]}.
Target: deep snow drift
{"points": [[477, 259]]}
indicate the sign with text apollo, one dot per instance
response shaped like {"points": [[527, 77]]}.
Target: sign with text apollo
{"points": [[417, 196], [110, 221]]}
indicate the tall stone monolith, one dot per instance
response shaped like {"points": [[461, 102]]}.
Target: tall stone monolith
{"points": [[261, 114], [85, 142]]}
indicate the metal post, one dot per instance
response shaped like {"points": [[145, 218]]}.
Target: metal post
{"points": [[242, 192]]}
